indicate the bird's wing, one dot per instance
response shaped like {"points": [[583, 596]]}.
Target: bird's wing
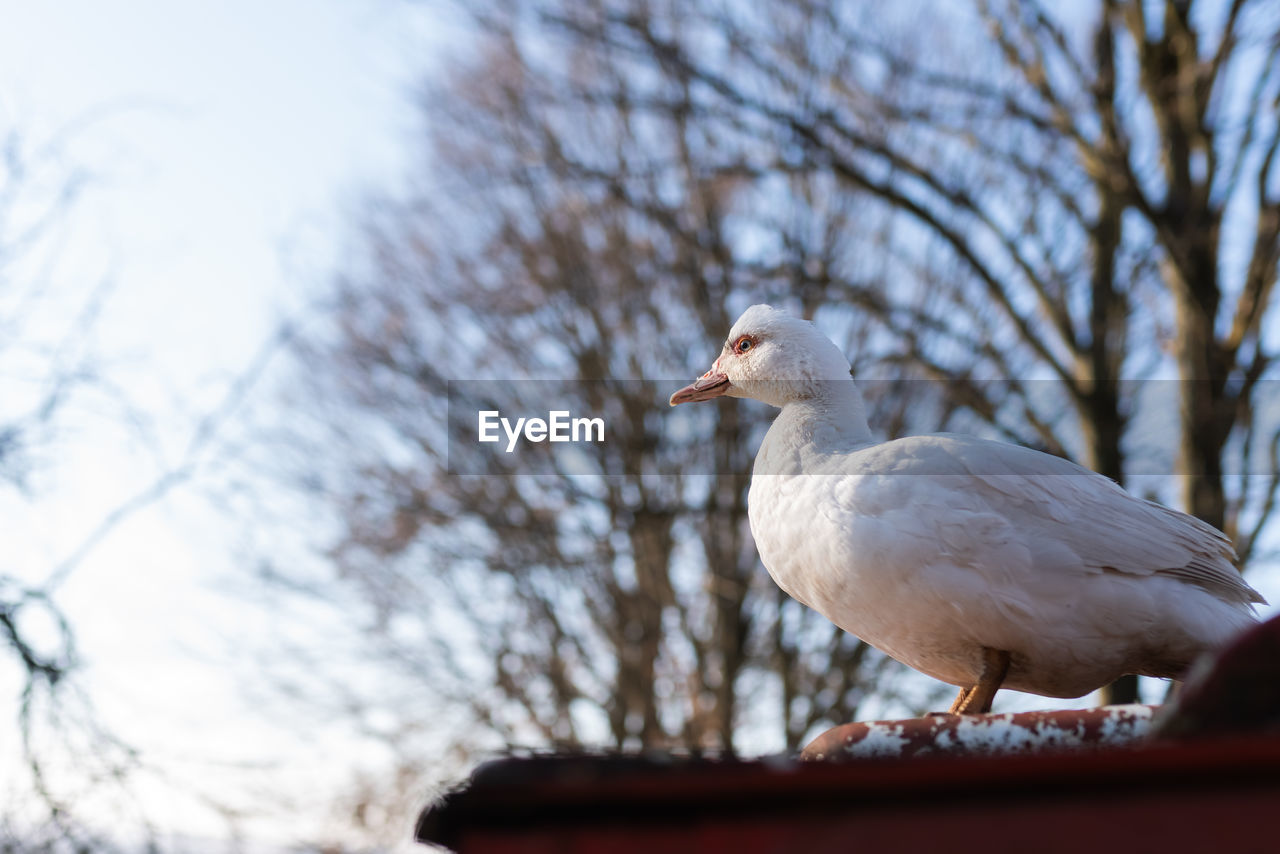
{"points": [[1108, 528], [1066, 514]]}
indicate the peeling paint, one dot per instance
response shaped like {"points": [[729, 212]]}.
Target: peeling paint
{"points": [[985, 735]]}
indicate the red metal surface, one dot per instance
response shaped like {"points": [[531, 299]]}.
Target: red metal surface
{"points": [[1236, 692], [1201, 796], [1215, 788]]}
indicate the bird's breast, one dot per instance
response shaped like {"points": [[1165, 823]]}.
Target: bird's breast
{"points": [[807, 542]]}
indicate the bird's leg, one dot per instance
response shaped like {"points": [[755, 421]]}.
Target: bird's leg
{"points": [[961, 701], [976, 699]]}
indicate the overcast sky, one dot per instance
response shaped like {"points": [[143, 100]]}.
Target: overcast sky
{"points": [[227, 142]]}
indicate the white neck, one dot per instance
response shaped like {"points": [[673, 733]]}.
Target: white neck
{"points": [[831, 421]]}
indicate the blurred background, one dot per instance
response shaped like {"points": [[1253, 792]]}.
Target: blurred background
{"points": [[247, 603]]}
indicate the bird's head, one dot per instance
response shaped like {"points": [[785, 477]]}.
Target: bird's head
{"points": [[770, 356]]}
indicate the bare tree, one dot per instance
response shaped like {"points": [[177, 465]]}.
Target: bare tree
{"points": [[1064, 186], [54, 384], [621, 601], [1032, 211], [46, 366], [595, 599]]}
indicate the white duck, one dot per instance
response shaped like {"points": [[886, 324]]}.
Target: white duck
{"points": [[979, 563]]}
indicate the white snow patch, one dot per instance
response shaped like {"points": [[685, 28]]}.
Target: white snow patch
{"points": [[994, 735], [1126, 723], [882, 740]]}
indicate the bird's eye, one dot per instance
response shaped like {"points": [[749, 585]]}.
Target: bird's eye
{"points": [[744, 344]]}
